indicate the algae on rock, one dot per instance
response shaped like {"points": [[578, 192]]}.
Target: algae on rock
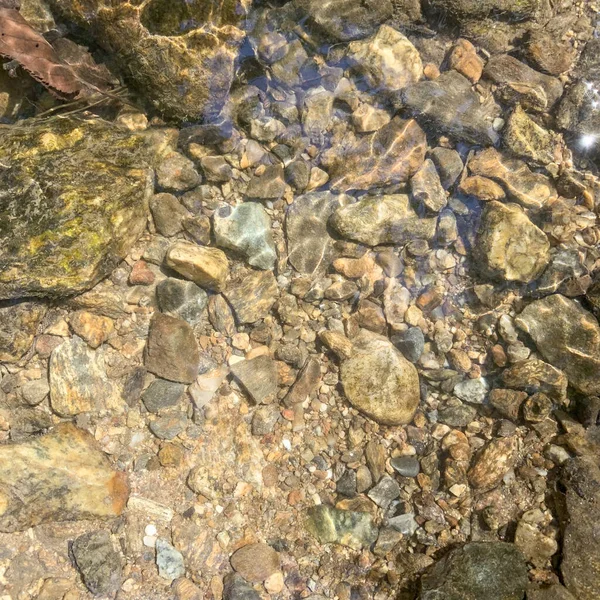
{"points": [[73, 200]]}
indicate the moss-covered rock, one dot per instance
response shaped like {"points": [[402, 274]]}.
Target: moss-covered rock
{"points": [[179, 53], [73, 199]]}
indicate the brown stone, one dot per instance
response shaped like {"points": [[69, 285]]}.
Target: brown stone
{"points": [[493, 463], [464, 59], [536, 376], [205, 266], [255, 562], [482, 188], [18, 326], [508, 402], [252, 295]]}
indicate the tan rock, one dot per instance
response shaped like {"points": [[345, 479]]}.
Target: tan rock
{"points": [[61, 476], [482, 188], [337, 343], [493, 463], [18, 326], [94, 329], [208, 267], [255, 562], [509, 246], [252, 294], [379, 381], [464, 59]]}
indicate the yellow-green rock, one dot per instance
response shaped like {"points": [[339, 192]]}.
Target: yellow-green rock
{"points": [[73, 200]]}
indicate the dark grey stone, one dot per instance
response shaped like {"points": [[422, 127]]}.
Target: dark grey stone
{"points": [[162, 394], [457, 416], [183, 299], [407, 466], [411, 343], [258, 377], [98, 563]]}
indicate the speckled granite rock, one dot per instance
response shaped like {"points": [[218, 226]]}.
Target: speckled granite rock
{"points": [[568, 337], [495, 571], [78, 380], [73, 202], [167, 47], [251, 295], [18, 326], [379, 381], [98, 562], [61, 476]]}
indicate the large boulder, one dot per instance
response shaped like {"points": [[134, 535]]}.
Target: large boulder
{"points": [[73, 199], [178, 53]]}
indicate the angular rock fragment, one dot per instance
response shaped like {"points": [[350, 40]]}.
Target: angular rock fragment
{"points": [[252, 295], [171, 349], [379, 381], [376, 220], [391, 155], [426, 188], [98, 562], [207, 267], [246, 228], [534, 376], [258, 377], [183, 299], [78, 380], [18, 326], [94, 329], [509, 246], [529, 189], [61, 476], [568, 337], [448, 104], [519, 83]]}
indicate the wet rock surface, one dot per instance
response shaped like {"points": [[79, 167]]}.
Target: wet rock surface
{"points": [[337, 338]]}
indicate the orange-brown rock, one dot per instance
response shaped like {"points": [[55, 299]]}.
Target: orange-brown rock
{"points": [[464, 59]]}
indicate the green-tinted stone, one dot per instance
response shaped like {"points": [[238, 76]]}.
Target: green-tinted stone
{"points": [[73, 200], [348, 528]]}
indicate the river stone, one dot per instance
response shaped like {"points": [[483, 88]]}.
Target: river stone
{"points": [[258, 377], [255, 562], [60, 476], [208, 267], [387, 61], [171, 349], [376, 220], [568, 337], [493, 463], [580, 564], [348, 528], [494, 571], [252, 295], [529, 189], [309, 245], [183, 299], [449, 105], [344, 20], [554, 592], [236, 588], [78, 380], [533, 376], [73, 201], [379, 381], [246, 228], [509, 246], [18, 326], [169, 561], [178, 53], [518, 82], [459, 10], [162, 394], [426, 188], [98, 562], [390, 155]]}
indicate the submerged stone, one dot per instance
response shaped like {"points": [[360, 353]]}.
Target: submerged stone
{"points": [[178, 53], [568, 337], [379, 381], [18, 326], [390, 155], [494, 570], [348, 528], [61, 476], [73, 201]]}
